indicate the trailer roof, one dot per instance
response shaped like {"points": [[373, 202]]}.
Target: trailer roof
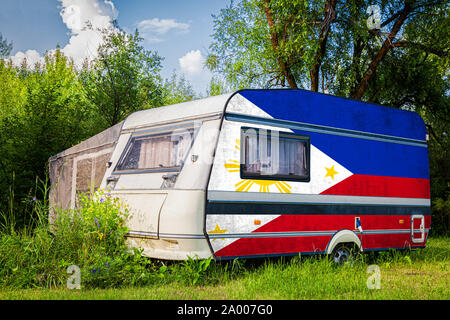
{"points": [[304, 106], [181, 111], [292, 105]]}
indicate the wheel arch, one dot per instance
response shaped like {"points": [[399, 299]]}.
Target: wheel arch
{"points": [[343, 236]]}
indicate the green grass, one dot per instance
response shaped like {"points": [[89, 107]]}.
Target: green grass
{"points": [[418, 274]]}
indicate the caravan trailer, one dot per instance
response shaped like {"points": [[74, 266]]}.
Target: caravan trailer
{"points": [[260, 173]]}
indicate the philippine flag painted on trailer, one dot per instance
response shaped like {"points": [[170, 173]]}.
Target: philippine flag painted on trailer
{"points": [[340, 165]]}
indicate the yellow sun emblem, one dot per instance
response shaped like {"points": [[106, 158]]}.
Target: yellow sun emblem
{"points": [[245, 184]]}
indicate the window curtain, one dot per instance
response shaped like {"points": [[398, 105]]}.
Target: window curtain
{"points": [[291, 157], [164, 151], [155, 153], [274, 155], [252, 162]]}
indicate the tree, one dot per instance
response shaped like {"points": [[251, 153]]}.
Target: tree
{"points": [[218, 86], [177, 89], [42, 112], [5, 47], [299, 43], [123, 78]]}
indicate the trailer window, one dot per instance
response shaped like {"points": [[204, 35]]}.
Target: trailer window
{"points": [[269, 154], [159, 152]]}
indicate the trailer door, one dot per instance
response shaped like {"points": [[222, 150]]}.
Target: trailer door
{"points": [[145, 207]]}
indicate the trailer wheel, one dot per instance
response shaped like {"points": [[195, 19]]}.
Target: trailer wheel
{"points": [[342, 254]]}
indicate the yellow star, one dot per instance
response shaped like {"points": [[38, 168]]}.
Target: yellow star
{"points": [[331, 172], [218, 230]]}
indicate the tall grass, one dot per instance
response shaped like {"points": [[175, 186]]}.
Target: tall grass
{"points": [[91, 237], [416, 274]]}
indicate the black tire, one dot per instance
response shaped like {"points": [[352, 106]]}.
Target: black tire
{"points": [[342, 254]]}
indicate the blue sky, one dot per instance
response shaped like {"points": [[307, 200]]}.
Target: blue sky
{"points": [[180, 31]]}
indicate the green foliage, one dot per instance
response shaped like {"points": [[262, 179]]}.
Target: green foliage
{"points": [[5, 47], [441, 216], [12, 89], [245, 51], [124, 77], [240, 51], [45, 109], [99, 221], [42, 111], [91, 237], [195, 268], [218, 86], [177, 89]]}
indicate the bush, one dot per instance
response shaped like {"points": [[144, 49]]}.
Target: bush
{"points": [[91, 237], [440, 218]]}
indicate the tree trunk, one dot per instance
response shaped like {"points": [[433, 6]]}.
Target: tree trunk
{"points": [[274, 39], [329, 15], [387, 44], [356, 62]]}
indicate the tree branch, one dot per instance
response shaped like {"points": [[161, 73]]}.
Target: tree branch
{"points": [[389, 20], [434, 135], [387, 44], [274, 39], [115, 115], [404, 43], [329, 15]]}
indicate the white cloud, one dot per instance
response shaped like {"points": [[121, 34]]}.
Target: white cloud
{"points": [[192, 62], [192, 67], [153, 29], [83, 43], [32, 57]]}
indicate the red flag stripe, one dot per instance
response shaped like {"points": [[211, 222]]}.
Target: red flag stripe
{"points": [[379, 186]]}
